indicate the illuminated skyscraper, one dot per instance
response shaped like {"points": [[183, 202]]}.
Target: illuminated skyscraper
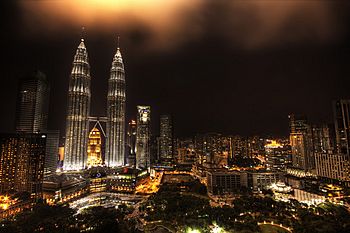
{"points": [[115, 141], [301, 143], [94, 148], [277, 156], [143, 136], [166, 138], [78, 111], [22, 159], [32, 103]]}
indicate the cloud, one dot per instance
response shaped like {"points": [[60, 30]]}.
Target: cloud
{"points": [[256, 24], [163, 24]]}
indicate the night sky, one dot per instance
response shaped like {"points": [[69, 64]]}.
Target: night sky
{"points": [[217, 66]]}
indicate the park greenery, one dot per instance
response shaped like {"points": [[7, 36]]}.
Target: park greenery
{"points": [[243, 215], [62, 219], [185, 206]]}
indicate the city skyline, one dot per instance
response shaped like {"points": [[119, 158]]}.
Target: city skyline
{"points": [[247, 101], [177, 116]]}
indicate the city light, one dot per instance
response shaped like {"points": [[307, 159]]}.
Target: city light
{"points": [[217, 229], [190, 230]]}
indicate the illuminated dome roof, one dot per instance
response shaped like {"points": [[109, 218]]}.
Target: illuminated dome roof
{"points": [[280, 187]]}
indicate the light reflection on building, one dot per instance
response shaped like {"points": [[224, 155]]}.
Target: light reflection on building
{"points": [[78, 111], [94, 148]]}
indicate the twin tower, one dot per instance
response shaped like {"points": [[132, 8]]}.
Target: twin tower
{"points": [[78, 112]]}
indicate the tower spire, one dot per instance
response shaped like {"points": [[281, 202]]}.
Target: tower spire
{"points": [[118, 54], [118, 38], [82, 33]]}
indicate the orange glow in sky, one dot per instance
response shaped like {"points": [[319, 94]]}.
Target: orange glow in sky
{"points": [[250, 24], [163, 20], [104, 12]]}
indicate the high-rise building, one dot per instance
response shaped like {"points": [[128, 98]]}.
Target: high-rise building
{"points": [[332, 166], [185, 152], [301, 143], [322, 139], [52, 151], [166, 138], [143, 136], [94, 148], [239, 149], [297, 123], [78, 111], [341, 111], [22, 157], [131, 141], [333, 161], [32, 103], [115, 140], [255, 146], [155, 150], [32, 114], [277, 156]]}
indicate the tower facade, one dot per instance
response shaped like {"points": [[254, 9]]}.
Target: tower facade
{"points": [[22, 158], [166, 138], [32, 113], [131, 141], [94, 148], [115, 140], [301, 143], [143, 136], [78, 111], [341, 111], [32, 103]]}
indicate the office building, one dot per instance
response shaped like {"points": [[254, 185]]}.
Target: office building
{"points": [[332, 166], [276, 156], [301, 143], [131, 142], [333, 159], [341, 113], [143, 137], [166, 138], [22, 158], [322, 139], [221, 181], [52, 151], [32, 103], [32, 114], [260, 179]]}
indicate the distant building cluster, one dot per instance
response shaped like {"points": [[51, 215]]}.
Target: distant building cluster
{"points": [[323, 150]]}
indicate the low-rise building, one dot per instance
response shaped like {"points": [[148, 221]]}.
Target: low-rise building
{"points": [[63, 187], [261, 179], [223, 181]]}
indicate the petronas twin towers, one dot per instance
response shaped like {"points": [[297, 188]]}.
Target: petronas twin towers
{"points": [[115, 140], [78, 112]]}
